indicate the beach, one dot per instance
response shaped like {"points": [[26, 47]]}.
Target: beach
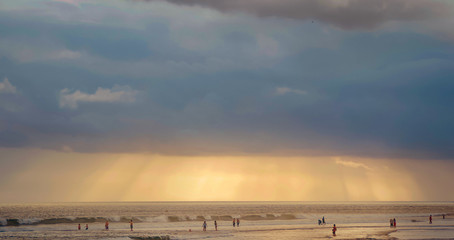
{"points": [[259, 220]]}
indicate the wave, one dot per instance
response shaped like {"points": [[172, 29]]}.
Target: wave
{"points": [[161, 218]]}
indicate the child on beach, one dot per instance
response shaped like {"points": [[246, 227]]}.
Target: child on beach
{"points": [[334, 230], [131, 224], [234, 222], [430, 219], [237, 222], [204, 226], [107, 225], [86, 226], [78, 227], [215, 225]]}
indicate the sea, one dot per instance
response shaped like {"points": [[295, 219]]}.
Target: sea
{"points": [[258, 220]]}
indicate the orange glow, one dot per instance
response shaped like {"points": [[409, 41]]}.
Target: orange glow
{"points": [[144, 177]]}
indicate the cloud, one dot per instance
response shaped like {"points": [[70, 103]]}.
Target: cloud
{"points": [[71, 2], [116, 94], [286, 90], [346, 14], [240, 78], [35, 50], [352, 164], [7, 87]]}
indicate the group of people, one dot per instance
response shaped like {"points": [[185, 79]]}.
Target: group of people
{"points": [[86, 226], [392, 222], [430, 217], [323, 222], [131, 225], [237, 222], [204, 225]]}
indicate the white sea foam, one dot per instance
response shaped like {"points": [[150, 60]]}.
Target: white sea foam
{"points": [[27, 221], [192, 217], [161, 218], [114, 218]]}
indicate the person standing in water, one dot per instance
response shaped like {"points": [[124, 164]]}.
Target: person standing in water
{"points": [[430, 219], [215, 225], [107, 225], [323, 220], [204, 226], [334, 230], [131, 224], [391, 223], [86, 226], [78, 227], [394, 222], [237, 222], [233, 222]]}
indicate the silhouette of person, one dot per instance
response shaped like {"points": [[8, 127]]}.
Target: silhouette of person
{"points": [[204, 226]]}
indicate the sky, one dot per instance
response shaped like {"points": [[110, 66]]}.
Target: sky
{"points": [[226, 100]]}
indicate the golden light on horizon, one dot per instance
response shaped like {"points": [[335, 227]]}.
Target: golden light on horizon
{"points": [[146, 177]]}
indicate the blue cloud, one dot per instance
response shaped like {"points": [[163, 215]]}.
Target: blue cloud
{"points": [[210, 87]]}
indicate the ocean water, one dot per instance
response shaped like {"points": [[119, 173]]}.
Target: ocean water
{"points": [[258, 220]]}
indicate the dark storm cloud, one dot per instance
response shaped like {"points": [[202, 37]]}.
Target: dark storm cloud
{"points": [[319, 91], [346, 14]]}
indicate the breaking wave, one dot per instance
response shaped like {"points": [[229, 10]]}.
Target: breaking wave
{"points": [[161, 218]]}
